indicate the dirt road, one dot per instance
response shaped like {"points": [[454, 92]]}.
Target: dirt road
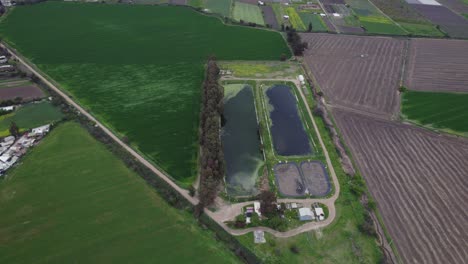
{"points": [[227, 212]]}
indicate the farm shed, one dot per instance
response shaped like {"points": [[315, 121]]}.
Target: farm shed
{"points": [[319, 213], [259, 237], [39, 131], [305, 214], [257, 208]]}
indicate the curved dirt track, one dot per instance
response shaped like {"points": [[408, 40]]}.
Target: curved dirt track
{"points": [[224, 213], [229, 212]]}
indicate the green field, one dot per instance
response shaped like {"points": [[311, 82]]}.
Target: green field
{"points": [[381, 25], [248, 13], [316, 20], [139, 69], [30, 116], [422, 29], [72, 201], [222, 7], [446, 111]]}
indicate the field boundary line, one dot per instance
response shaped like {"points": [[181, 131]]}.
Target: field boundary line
{"points": [[106, 130], [218, 216]]}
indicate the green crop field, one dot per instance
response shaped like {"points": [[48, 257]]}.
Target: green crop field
{"points": [[71, 200], [295, 19], [316, 20], [222, 7], [30, 116], [248, 13], [422, 29], [381, 25], [446, 111], [139, 69]]}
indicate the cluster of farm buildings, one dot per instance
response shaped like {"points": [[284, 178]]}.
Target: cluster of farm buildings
{"points": [[11, 148], [313, 213]]}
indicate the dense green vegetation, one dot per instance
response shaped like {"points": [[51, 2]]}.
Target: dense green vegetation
{"points": [[137, 68], [248, 13], [316, 20], [447, 111], [222, 7], [422, 29], [30, 116], [71, 199]]}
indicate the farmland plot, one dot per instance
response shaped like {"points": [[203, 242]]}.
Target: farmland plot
{"points": [[222, 7], [248, 13], [72, 199], [446, 111], [418, 179], [27, 92], [139, 69], [438, 65], [455, 25], [358, 72]]}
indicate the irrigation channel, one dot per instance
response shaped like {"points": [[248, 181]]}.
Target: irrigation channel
{"points": [[241, 141], [225, 212]]}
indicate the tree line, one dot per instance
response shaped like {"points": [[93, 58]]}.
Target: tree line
{"points": [[212, 157]]}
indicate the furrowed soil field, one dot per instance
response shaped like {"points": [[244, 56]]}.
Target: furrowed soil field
{"points": [[27, 92], [446, 111], [437, 65], [139, 69], [418, 179], [449, 21], [71, 199], [357, 72]]}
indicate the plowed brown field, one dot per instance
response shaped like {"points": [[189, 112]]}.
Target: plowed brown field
{"points": [[438, 65], [419, 180], [357, 72]]}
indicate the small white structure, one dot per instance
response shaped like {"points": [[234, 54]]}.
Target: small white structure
{"points": [[8, 108], [261, 3], [293, 205], [319, 213], [305, 214], [336, 15], [322, 15], [286, 17], [3, 59], [301, 79], [247, 220], [6, 67], [40, 131], [9, 139], [5, 158], [259, 237], [257, 208]]}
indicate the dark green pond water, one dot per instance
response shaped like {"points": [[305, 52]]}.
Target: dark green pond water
{"points": [[289, 135], [241, 143]]}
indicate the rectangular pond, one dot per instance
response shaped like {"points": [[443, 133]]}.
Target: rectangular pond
{"points": [[241, 141], [287, 130]]}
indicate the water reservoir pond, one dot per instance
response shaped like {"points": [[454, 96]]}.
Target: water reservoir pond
{"points": [[241, 143], [287, 130]]}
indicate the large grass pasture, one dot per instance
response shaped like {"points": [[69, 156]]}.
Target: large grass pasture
{"points": [[71, 200], [446, 111], [139, 69]]}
